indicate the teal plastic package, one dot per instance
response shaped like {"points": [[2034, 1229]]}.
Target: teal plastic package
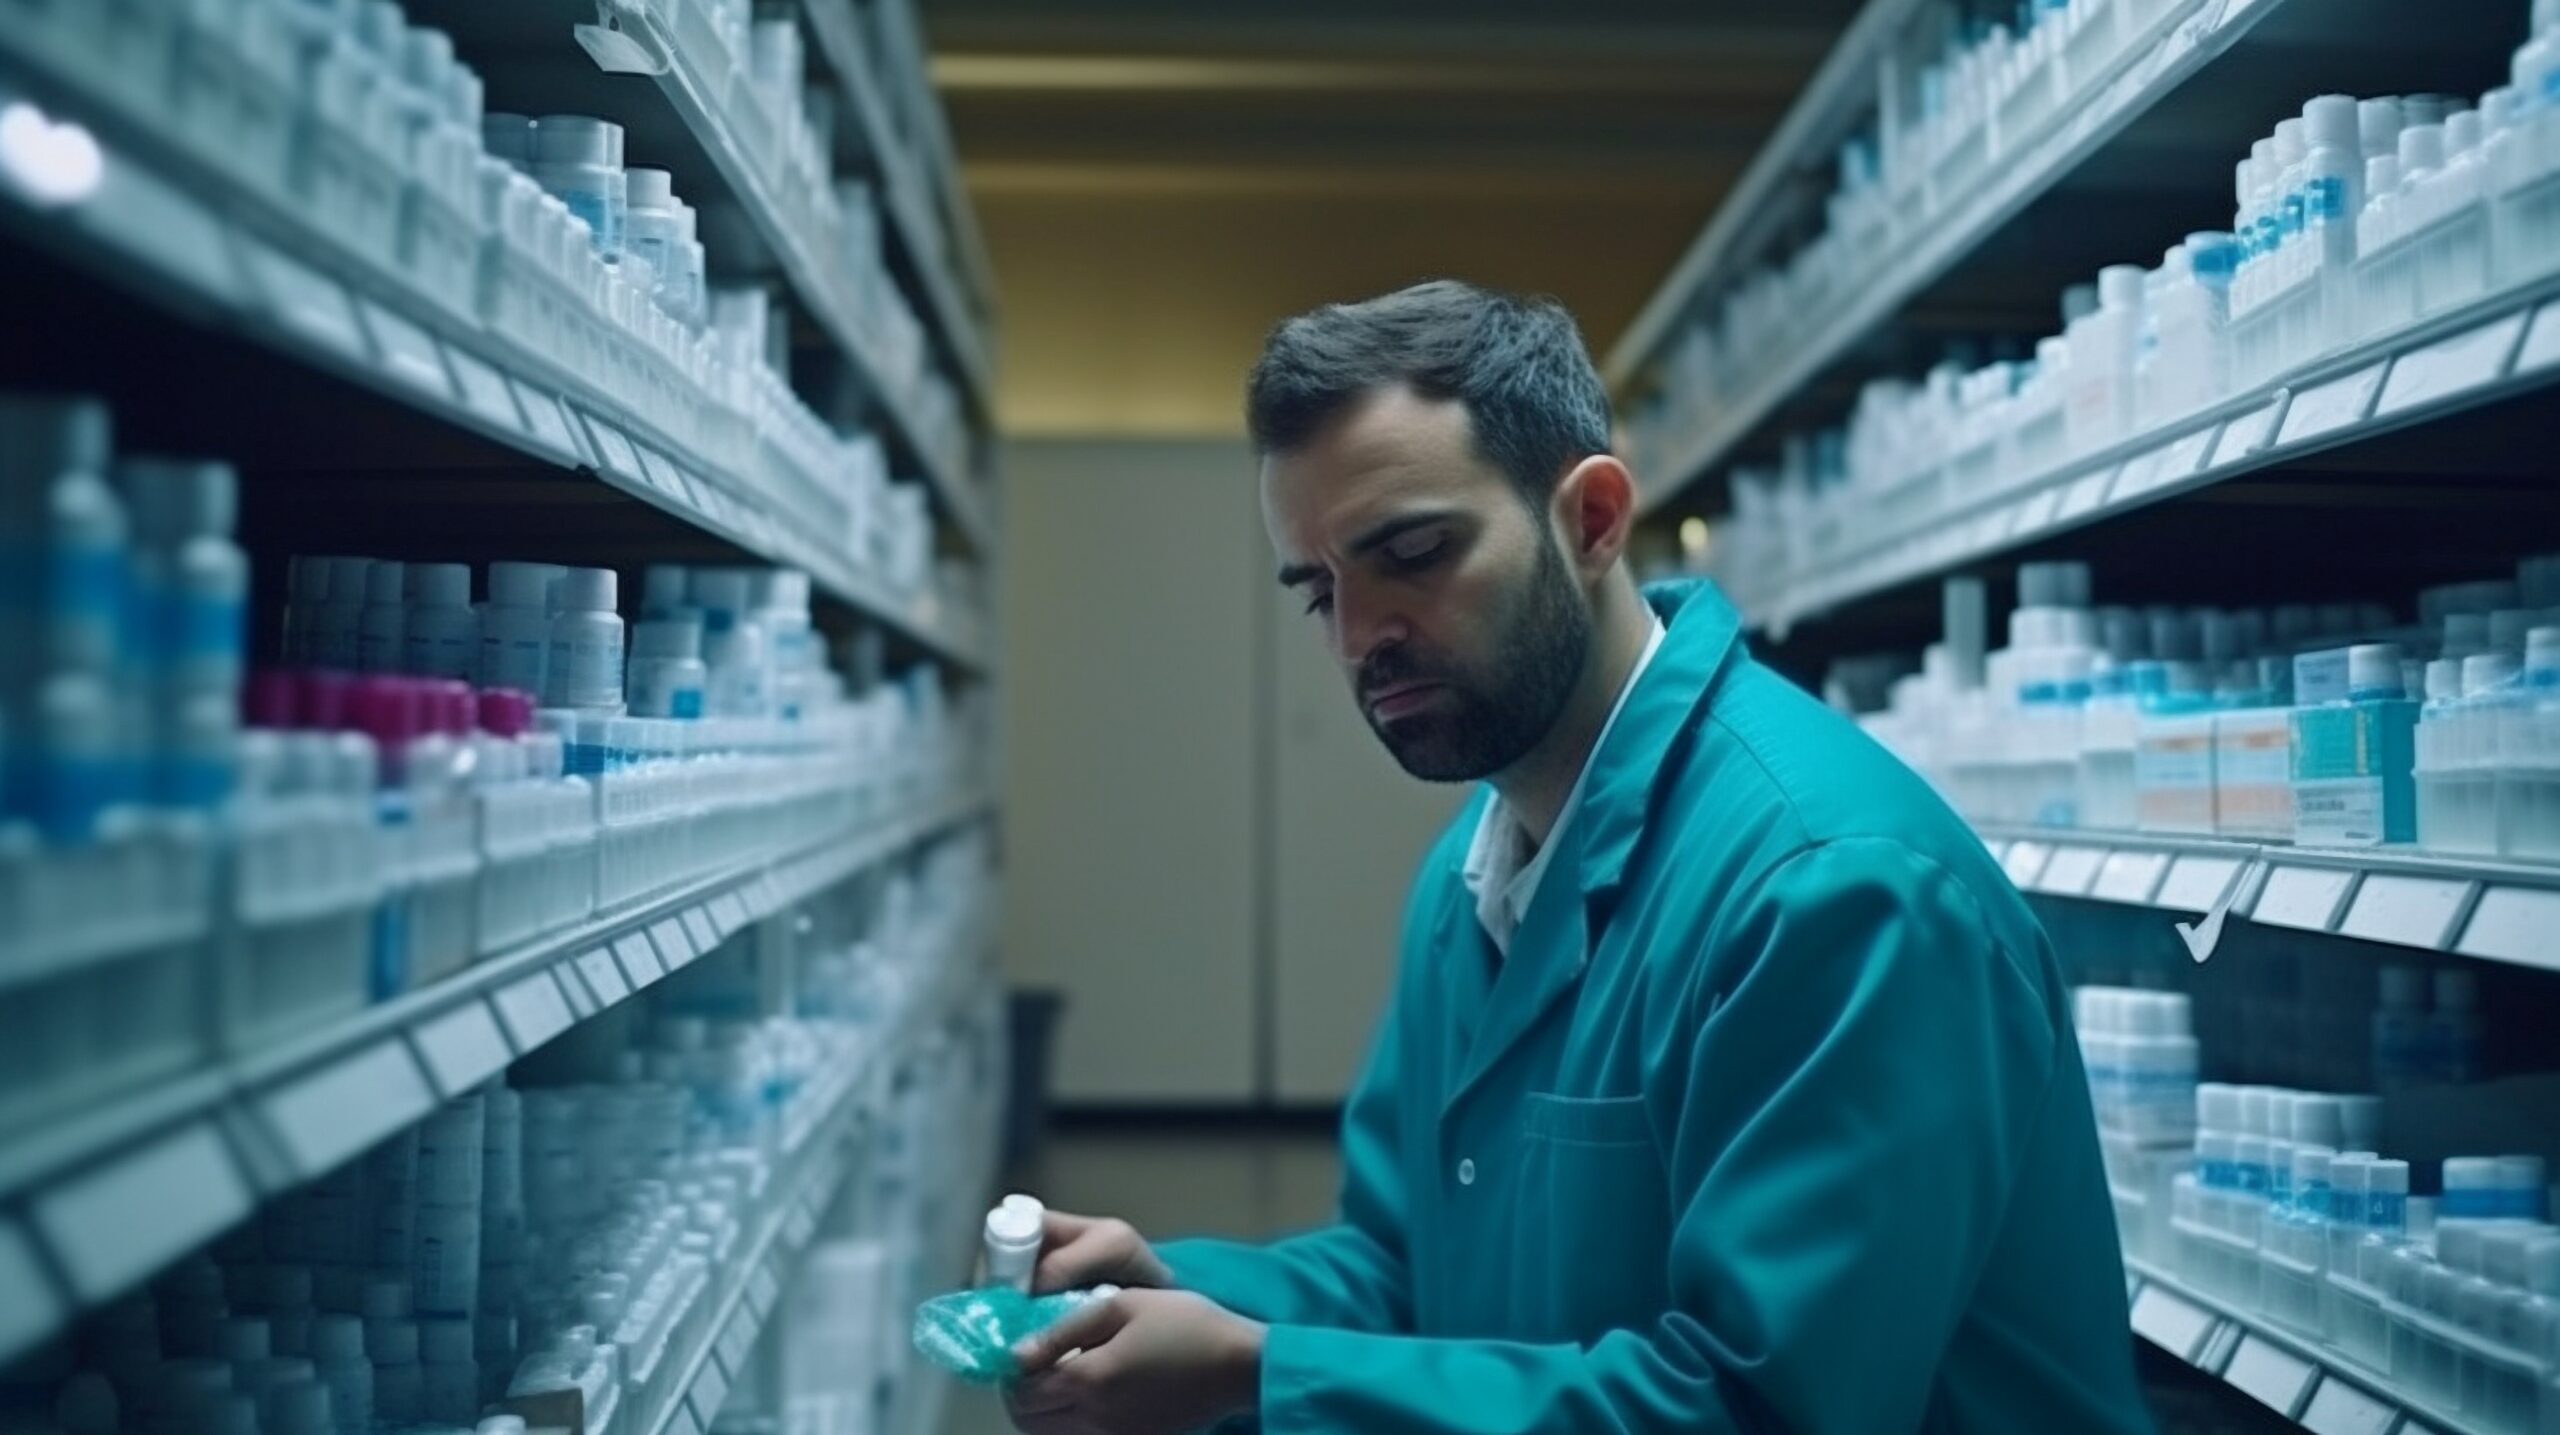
{"points": [[971, 1333]]}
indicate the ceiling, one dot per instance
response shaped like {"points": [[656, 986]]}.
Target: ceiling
{"points": [[1159, 181]]}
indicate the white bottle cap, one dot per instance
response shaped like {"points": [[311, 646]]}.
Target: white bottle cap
{"points": [[175, 499], [2373, 668], [673, 639], [2311, 1166], [2390, 1177], [392, 1342], [2542, 648], [234, 1413], [2484, 672], [349, 579], [2378, 125], [2461, 133], [386, 583], [2217, 1106], [522, 585], [501, 1425], [445, 1340], [440, 585], [2542, 1262], [2421, 149], [2444, 680], [2508, 628], [2254, 1103], [2289, 147], [575, 139], [386, 1299], [2120, 286], [245, 1339], [337, 1338], [307, 579], [427, 60], [2244, 183], [2456, 989], [2498, 109], [720, 590], [663, 587], [297, 1408], [587, 590], [2359, 1121], [2381, 174], [2330, 120], [650, 188]]}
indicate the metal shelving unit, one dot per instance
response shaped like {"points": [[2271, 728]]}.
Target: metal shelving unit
{"points": [[2315, 1388], [115, 1192], [2496, 911]]}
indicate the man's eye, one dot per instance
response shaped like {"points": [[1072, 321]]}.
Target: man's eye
{"points": [[1413, 550], [1319, 603]]}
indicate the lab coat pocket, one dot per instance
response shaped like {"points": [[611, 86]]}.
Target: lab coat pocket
{"points": [[1595, 1217]]}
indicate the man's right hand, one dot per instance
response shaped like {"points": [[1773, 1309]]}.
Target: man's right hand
{"points": [[1081, 1251]]}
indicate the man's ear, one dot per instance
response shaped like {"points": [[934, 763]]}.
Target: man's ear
{"points": [[1595, 511]]}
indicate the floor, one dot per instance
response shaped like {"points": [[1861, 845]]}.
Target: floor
{"points": [[1245, 1178], [1226, 1178]]}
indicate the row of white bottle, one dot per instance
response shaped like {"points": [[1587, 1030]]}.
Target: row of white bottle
{"points": [[368, 134], [2354, 219]]}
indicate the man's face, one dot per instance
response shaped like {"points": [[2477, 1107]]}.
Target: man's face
{"points": [[1445, 599]]}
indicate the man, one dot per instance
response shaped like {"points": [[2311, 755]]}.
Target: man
{"points": [[1726, 1084]]}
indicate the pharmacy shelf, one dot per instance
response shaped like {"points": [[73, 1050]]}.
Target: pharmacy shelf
{"points": [[164, 225], [2495, 911], [113, 1193], [711, 96], [2180, 42], [2501, 345], [2313, 1386], [818, 1156], [912, 177]]}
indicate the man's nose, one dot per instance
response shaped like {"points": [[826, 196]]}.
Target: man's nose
{"points": [[1363, 623]]}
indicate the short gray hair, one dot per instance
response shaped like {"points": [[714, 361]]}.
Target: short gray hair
{"points": [[1534, 398]]}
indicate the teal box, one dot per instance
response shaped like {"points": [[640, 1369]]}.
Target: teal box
{"points": [[2354, 782]]}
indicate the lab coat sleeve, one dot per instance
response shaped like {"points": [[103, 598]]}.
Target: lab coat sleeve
{"points": [[1839, 1109], [1349, 1275]]}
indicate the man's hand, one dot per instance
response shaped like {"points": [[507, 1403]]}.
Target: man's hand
{"points": [[1144, 1362], [1081, 1251]]}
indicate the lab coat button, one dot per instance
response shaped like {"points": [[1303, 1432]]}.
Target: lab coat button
{"points": [[1466, 1173]]}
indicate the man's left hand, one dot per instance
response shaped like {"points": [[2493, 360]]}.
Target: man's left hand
{"points": [[1145, 1362]]}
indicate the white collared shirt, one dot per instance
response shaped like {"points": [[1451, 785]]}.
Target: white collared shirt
{"points": [[1503, 867]]}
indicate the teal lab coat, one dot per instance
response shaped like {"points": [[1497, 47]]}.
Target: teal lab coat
{"points": [[1771, 1121]]}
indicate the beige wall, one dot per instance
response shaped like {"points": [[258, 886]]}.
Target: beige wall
{"points": [[1205, 847]]}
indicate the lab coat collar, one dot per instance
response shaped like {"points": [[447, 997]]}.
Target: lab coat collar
{"points": [[1640, 756]]}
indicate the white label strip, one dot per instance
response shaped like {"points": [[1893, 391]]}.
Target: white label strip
{"points": [[697, 925], [2024, 862], [681, 1422], [2130, 876], [763, 1290], [675, 944], [117, 1224], [330, 1115], [614, 453], [2196, 882], [732, 909], [2305, 898], [484, 391], [2250, 433], [582, 1000], [547, 424], [640, 964], [2170, 1321], [604, 976], [462, 1047], [409, 353], [29, 1310], [2515, 924], [2412, 911], [2270, 1374], [532, 1010], [2541, 348], [2339, 1407], [2071, 871], [2446, 367], [2084, 497], [710, 1389], [2333, 405], [304, 300]]}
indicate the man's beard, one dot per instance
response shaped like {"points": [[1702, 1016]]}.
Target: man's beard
{"points": [[1489, 721]]}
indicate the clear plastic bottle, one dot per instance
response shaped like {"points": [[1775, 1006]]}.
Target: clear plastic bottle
{"points": [[668, 678], [578, 158], [2453, 1028]]}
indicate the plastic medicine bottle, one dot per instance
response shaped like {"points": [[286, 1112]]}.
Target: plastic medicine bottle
{"points": [[579, 159], [584, 665], [515, 629], [442, 637]]}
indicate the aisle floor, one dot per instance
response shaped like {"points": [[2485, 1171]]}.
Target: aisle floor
{"points": [[1239, 1178]]}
